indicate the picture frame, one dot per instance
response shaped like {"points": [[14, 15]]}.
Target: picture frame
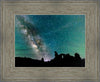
{"points": [[12, 73]]}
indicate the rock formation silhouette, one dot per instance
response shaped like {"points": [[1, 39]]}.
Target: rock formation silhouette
{"points": [[60, 60]]}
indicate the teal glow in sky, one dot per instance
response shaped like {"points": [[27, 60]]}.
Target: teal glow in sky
{"points": [[38, 36]]}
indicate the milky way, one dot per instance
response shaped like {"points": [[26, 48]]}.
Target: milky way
{"points": [[38, 36], [34, 40]]}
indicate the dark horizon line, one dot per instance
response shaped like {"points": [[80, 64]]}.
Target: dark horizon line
{"points": [[50, 59], [60, 60]]}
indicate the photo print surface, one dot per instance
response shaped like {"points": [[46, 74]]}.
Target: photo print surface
{"points": [[49, 40]]}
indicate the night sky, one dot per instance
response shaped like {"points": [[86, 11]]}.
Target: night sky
{"points": [[38, 36]]}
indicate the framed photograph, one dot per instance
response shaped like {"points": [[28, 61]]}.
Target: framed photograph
{"points": [[49, 41], [39, 38]]}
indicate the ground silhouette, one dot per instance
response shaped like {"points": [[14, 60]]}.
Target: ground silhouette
{"points": [[60, 60]]}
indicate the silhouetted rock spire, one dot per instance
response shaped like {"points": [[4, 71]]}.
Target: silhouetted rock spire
{"points": [[42, 59], [77, 56], [56, 54]]}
